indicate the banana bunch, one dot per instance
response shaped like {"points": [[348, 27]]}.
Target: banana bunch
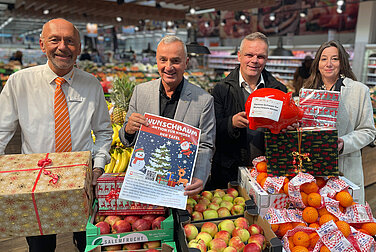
{"points": [[115, 135], [119, 160]]}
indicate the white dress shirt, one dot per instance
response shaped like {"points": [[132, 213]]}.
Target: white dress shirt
{"points": [[28, 99], [246, 86]]}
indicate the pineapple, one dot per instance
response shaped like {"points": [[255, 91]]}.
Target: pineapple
{"points": [[121, 94]]}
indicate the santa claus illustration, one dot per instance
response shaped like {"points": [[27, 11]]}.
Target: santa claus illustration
{"points": [[185, 146]]}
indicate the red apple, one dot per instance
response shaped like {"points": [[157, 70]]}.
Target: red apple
{"points": [[227, 225], [259, 239], [237, 243], [241, 222], [152, 250], [131, 218], [189, 208], [217, 244], [104, 227], [132, 246], [224, 235], [111, 219], [237, 210], [228, 197], [216, 200], [213, 206], [149, 217], [233, 192], [121, 226], [207, 194], [112, 248], [210, 214], [223, 212], [196, 197], [239, 201], [205, 237], [242, 233], [190, 231], [200, 207], [152, 244], [191, 202], [255, 229], [197, 216], [210, 228], [141, 225], [226, 204], [156, 224], [204, 201], [199, 244], [219, 193], [230, 249], [252, 247]]}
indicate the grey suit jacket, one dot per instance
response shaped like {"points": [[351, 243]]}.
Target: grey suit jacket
{"points": [[356, 127], [195, 107]]}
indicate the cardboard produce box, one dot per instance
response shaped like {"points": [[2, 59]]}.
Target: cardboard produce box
{"points": [[166, 247], [264, 200], [109, 186], [273, 243], [93, 236], [315, 148], [36, 201]]}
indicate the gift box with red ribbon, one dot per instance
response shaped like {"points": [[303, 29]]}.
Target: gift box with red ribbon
{"points": [[109, 185], [45, 193], [308, 150]]}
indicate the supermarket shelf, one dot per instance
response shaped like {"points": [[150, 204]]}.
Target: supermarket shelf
{"points": [[371, 83], [280, 70], [283, 65]]}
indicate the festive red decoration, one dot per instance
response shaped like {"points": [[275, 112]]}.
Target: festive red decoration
{"points": [[266, 104]]}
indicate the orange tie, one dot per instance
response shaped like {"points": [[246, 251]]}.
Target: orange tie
{"points": [[63, 141]]}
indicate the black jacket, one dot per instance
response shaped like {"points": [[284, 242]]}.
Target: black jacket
{"points": [[232, 149]]}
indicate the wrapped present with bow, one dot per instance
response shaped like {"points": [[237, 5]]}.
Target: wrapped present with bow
{"points": [[109, 185], [310, 150], [46, 193]]}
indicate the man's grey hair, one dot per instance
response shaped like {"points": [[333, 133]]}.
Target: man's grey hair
{"points": [[254, 36], [172, 38]]}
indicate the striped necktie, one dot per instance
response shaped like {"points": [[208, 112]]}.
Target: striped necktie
{"points": [[63, 141]]}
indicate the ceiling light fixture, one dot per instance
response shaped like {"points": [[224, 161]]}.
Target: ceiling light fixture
{"points": [[272, 16], [46, 12], [170, 23], [119, 19], [192, 11], [189, 24], [242, 17], [340, 2], [207, 24], [303, 13]]}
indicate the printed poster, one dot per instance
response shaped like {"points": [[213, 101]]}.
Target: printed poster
{"points": [[162, 163]]}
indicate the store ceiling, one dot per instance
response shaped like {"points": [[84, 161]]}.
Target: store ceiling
{"points": [[27, 15]]}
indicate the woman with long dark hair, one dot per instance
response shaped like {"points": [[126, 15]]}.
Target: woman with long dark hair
{"points": [[331, 70]]}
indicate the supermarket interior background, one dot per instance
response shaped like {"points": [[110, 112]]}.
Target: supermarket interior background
{"points": [[120, 38]]}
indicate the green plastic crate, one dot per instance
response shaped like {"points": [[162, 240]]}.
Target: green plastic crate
{"points": [[93, 236]]}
